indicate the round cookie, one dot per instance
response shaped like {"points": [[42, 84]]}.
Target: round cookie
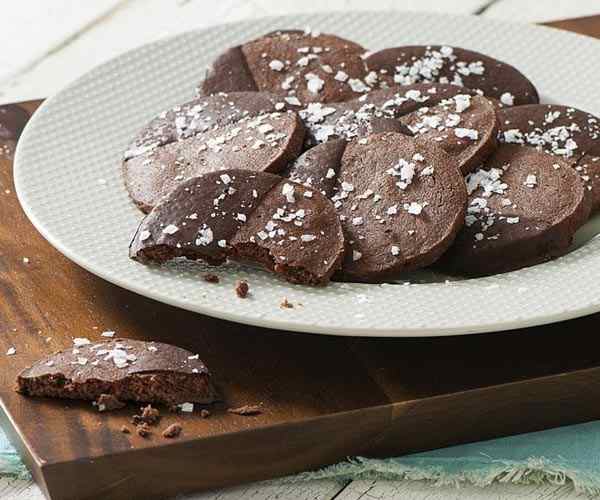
{"points": [[374, 112], [401, 202], [464, 126], [225, 133], [200, 115], [561, 130], [301, 66], [524, 208], [318, 167], [246, 216], [434, 63]]}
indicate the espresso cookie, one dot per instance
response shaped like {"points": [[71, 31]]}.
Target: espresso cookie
{"points": [[562, 131], [464, 126], [301, 66], [524, 208], [375, 112], [241, 215], [443, 64], [265, 142], [128, 370], [401, 203]]}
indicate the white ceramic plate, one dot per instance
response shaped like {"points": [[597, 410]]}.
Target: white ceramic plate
{"points": [[67, 175]]}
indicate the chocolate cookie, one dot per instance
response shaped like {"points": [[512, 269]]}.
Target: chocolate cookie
{"points": [[401, 203], [129, 370], [301, 66], [563, 131], [524, 208], [259, 142], [318, 167], [464, 126], [374, 112], [444, 64], [237, 214]]}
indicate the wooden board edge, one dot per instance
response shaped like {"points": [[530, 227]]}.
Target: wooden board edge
{"points": [[24, 449]]}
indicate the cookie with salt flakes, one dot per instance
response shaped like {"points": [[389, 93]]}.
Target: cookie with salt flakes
{"points": [[128, 370], [401, 202], [374, 112], [464, 126], [563, 131], [246, 216], [318, 167], [524, 207], [300, 66], [444, 64], [267, 142]]}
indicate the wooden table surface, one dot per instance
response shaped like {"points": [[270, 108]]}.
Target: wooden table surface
{"points": [[15, 489]]}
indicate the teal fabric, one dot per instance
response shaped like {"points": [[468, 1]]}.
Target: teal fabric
{"points": [[559, 456]]}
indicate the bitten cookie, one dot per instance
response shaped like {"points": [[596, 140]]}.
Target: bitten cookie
{"points": [[128, 370], [561, 130], [444, 64], [237, 214], [248, 130], [374, 112], [301, 66], [524, 208], [464, 126]]}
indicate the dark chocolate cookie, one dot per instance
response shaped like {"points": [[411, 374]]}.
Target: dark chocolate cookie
{"points": [[128, 370], [301, 66], [241, 215], [464, 126], [563, 131], [374, 112], [244, 130], [401, 203], [444, 64], [524, 208]]}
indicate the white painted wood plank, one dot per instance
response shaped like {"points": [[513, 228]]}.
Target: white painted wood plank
{"points": [[142, 21], [16, 489], [420, 490], [313, 490], [33, 28], [536, 11]]}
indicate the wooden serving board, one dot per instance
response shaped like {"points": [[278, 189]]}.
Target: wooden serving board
{"points": [[324, 398]]}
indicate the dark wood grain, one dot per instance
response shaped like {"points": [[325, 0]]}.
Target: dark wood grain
{"points": [[324, 398]]}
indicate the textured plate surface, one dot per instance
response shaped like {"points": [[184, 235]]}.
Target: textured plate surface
{"points": [[67, 175]]}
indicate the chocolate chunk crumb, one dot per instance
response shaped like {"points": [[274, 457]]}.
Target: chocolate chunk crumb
{"points": [[149, 416], [210, 278], [143, 430], [107, 402], [172, 431], [241, 289], [125, 429], [285, 304], [246, 410], [204, 413]]}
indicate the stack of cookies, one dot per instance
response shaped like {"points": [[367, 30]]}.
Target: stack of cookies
{"points": [[316, 159]]}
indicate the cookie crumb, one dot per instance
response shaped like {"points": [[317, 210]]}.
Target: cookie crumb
{"points": [[241, 289], [173, 431], [246, 410], [143, 430], [204, 413], [210, 278], [286, 304], [107, 402], [125, 429], [149, 416]]}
